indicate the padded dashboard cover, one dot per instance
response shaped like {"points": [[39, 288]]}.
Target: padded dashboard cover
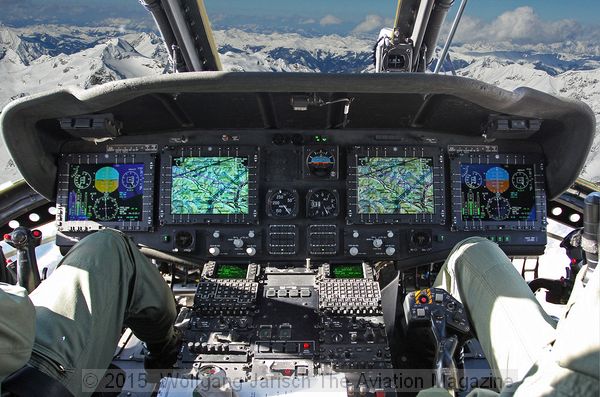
{"points": [[402, 102]]}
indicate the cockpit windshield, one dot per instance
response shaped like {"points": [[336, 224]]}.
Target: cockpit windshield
{"points": [[48, 45]]}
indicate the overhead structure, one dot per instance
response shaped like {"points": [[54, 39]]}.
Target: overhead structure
{"points": [[186, 31], [410, 44]]}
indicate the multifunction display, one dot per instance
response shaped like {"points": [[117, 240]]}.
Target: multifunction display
{"points": [[97, 190], [105, 192], [498, 192], [395, 185], [209, 185]]}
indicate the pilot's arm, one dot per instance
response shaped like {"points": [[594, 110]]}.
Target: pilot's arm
{"points": [[17, 328]]}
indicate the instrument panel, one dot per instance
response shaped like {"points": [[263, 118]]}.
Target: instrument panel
{"points": [[349, 195]]}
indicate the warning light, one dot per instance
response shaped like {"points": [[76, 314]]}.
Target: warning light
{"points": [[306, 346], [7, 236], [423, 299], [287, 372], [36, 233], [573, 261]]}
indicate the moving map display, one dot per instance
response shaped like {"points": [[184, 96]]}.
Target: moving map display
{"points": [[209, 186], [497, 192], [105, 192], [395, 185]]}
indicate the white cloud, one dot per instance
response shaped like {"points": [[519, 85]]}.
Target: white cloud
{"points": [[372, 22], [522, 26], [330, 20]]}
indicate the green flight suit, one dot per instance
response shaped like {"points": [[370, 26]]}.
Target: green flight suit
{"points": [[101, 285]]}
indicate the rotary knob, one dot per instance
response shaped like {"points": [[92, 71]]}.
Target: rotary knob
{"points": [[353, 251], [377, 243], [238, 243], [389, 251], [214, 251], [251, 251]]}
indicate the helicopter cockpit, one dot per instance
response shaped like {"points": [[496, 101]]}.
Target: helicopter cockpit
{"points": [[301, 219]]}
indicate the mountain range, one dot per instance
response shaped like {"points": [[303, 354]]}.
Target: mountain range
{"points": [[45, 57]]}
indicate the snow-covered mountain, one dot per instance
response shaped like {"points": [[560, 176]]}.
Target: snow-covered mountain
{"points": [[38, 58]]}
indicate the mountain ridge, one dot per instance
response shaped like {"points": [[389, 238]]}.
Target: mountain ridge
{"points": [[43, 57]]}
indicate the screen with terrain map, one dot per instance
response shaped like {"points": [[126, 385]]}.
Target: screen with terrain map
{"points": [[395, 185], [209, 186]]}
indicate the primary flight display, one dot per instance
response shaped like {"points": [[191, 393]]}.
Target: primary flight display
{"points": [[209, 186], [498, 192], [105, 192]]}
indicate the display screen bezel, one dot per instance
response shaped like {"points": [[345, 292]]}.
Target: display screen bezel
{"points": [[105, 159], [535, 161], [433, 153], [250, 154]]}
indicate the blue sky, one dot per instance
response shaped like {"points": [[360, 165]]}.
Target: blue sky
{"points": [[507, 20]]}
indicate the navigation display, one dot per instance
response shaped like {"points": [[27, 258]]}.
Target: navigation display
{"points": [[395, 185], [347, 271], [237, 272], [497, 192], [105, 192], [209, 186]]}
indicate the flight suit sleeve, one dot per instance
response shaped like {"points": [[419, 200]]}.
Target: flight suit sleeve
{"points": [[17, 328]]}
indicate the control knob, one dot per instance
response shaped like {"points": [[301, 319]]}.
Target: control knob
{"points": [[377, 243], [353, 251], [389, 251], [214, 251], [251, 251], [238, 243]]}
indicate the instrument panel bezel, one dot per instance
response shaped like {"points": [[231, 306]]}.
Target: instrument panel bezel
{"points": [[62, 198], [535, 160], [434, 152], [251, 153]]}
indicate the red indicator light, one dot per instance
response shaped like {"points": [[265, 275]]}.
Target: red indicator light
{"points": [[423, 299], [287, 372], [306, 346], [573, 260], [36, 233], [7, 236]]}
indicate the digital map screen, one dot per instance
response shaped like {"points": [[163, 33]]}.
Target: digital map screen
{"points": [[497, 192], [395, 185], [209, 186], [105, 192]]}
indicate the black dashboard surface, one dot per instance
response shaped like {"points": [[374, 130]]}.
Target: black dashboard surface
{"points": [[276, 196], [290, 167]]}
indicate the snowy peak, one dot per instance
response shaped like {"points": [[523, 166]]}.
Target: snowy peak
{"points": [[39, 58]]}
